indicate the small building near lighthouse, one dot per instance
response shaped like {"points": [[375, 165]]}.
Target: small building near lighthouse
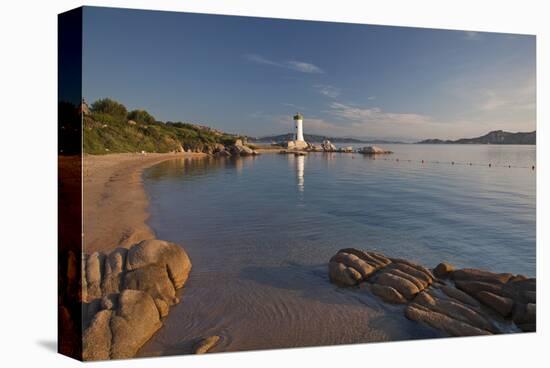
{"points": [[298, 142]]}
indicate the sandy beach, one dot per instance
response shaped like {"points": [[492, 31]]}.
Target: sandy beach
{"points": [[114, 200]]}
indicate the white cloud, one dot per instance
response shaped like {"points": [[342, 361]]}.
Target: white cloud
{"points": [[303, 67], [299, 66], [375, 115], [260, 60], [371, 98], [327, 90]]}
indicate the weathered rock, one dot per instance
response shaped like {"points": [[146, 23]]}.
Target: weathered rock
{"points": [[241, 150], [454, 310], [218, 147], [422, 277], [89, 311], [388, 294], [163, 254], [94, 270], [460, 296], [472, 274], [381, 258], [474, 287], [501, 304], [134, 322], [525, 314], [521, 290], [373, 260], [96, 340], [205, 345], [397, 272], [327, 146], [451, 306], [343, 275], [162, 307], [223, 153], [114, 269], [351, 260], [107, 302], [421, 268], [442, 322], [443, 270], [403, 286], [373, 150], [153, 280]]}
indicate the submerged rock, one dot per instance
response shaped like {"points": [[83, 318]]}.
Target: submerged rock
{"points": [[205, 345], [442, 322]]}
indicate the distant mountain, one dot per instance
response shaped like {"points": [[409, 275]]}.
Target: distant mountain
{"points": [[316, 138], [494, 137]]}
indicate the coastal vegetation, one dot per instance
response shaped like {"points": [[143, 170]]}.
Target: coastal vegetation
{"points": [[110, 128]]}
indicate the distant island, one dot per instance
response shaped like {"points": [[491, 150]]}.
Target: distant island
{"points": [[283, 138], [494, 137]]}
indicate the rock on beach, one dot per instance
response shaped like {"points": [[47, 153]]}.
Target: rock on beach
{"points": [[459, 302], [128, 300]]}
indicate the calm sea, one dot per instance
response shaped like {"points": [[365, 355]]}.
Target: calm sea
{"points": [[260, 231]]}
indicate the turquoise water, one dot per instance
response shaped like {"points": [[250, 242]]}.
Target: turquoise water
{"points": [[260, 231]]}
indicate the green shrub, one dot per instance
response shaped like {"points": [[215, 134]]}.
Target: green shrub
{"points": [[110, 107], [141, 116]]}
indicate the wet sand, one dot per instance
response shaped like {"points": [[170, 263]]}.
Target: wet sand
{"points": [[114, 201]]}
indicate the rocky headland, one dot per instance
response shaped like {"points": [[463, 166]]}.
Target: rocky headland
{"points": [[459, 302]]}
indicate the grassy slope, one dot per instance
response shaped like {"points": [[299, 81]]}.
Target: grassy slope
{"points": [[105, 133]]}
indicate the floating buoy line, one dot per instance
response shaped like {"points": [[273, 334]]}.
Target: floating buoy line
{"points": [[452, 163]]}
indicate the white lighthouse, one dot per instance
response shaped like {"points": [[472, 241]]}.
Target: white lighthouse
{"points": [[299, 119], [298, 143]]}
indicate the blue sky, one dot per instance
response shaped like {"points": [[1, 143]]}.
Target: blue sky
{"points": [[250, 75]]}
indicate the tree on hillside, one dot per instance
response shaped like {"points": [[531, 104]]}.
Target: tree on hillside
{"points": [[110, 107], [141, 116]]}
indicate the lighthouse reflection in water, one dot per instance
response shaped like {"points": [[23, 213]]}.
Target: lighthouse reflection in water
{"points": [[297, 163], [300, 172]]}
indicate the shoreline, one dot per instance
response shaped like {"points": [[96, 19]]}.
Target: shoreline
{"points": [[114, 199]]}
